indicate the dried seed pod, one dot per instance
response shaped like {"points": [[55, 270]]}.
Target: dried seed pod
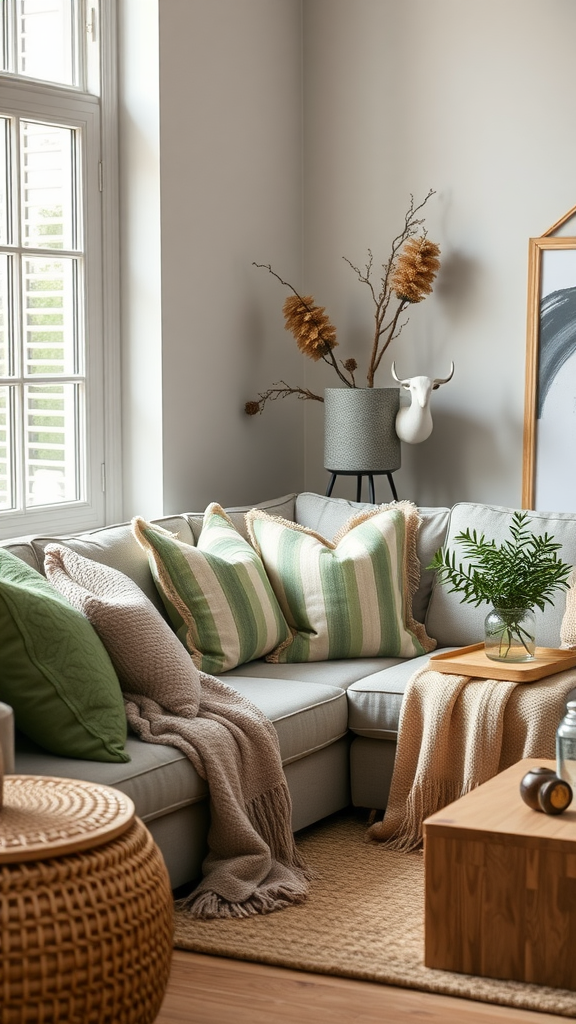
{"points": [[415, 270], [310, 325]]}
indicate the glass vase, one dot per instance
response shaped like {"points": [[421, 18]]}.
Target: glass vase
{"points": [[566, 746], [510, 634]]}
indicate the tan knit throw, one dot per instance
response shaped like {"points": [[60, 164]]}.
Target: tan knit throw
{"points": [[455, 733], [253, 866]]}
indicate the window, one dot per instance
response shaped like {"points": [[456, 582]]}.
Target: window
{"points": [[42, 39], [52, 354]]}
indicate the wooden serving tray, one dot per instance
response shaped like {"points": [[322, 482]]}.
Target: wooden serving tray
{"points": [[472, 661]]}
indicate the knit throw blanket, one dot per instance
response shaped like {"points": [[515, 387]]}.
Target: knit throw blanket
{"points": [[252, 866], [455, 733]]}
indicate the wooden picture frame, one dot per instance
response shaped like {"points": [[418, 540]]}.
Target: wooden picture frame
{"points": [[550, 391]]}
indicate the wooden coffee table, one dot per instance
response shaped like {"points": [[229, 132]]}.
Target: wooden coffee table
{"points": [[501, 885]]}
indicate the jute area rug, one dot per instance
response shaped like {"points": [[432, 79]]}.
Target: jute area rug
{"points": [[363, 919]]}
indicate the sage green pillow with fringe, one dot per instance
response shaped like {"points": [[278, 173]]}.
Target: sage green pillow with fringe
{"points": [[350, 597], [217, 594]]}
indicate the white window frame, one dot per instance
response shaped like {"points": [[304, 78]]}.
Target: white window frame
{"points": [[97, 118]]}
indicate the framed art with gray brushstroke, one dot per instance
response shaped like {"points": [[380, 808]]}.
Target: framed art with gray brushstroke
{"points": [[549, 476]]}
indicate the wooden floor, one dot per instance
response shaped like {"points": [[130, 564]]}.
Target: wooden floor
{"points": [[213, 990]]}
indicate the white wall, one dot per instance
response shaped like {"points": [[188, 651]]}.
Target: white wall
{"points": [[140, 234], [476, 100], [230, 185]]}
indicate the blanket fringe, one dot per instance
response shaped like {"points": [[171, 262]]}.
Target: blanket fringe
{"points": [[265, 813], [424, 800], [270, 815], [209, 905]]}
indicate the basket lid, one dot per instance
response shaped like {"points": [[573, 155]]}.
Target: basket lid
{"points": [[44, 816]]}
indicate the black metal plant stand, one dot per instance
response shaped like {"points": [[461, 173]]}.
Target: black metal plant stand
{"points": [[359, 476]]}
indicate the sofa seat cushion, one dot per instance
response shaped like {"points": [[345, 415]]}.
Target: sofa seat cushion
{"points": [[306, 716], [340, 673], [374, 702], [158, 778]]}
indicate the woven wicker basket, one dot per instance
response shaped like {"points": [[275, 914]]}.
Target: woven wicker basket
{"points": [[87, 936]]}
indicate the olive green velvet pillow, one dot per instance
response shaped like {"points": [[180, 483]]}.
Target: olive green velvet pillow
{"points": [[54, 670]]}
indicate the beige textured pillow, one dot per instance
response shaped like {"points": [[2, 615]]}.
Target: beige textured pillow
{"points": [[147, 655]]}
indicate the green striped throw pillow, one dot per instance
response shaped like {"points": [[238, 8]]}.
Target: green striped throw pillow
{"points": [[217, 595], [347, 598]]}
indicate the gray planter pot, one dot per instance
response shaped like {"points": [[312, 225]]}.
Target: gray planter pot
{"points": [[359, 430]]}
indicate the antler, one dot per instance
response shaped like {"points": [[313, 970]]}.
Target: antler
{"points": [[440, 380], [393, 372]]}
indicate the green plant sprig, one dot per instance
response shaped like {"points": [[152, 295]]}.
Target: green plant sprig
{"points": [[522, 572]]}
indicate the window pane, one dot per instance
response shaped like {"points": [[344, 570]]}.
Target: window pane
{"points": [[48, 208], [6, 493], [45, 40], [50, 316], [4, 58], [4, 323], [4, 173], [52, 417]]}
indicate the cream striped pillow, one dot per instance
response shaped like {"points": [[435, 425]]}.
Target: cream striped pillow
{"points": [[349, 598], [217, 594]]}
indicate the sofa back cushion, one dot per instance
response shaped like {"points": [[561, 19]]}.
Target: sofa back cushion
{"points": [[116, 546], [327, 515], [23, 548], [452, 623], [284, 507]]}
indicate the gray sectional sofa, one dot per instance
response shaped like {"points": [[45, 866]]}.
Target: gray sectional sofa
{"points": [[337, 721]]}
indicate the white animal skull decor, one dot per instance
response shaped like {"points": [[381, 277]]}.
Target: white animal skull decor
{"points": [[414, 421]]}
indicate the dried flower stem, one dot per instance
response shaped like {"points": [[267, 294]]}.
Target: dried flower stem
{"points": [[350, 365], [280, 390], [328, 357], [407, 275], [388, 331]]}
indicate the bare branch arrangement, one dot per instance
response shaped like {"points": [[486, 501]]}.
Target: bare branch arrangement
{"points": [[407, 277]]}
